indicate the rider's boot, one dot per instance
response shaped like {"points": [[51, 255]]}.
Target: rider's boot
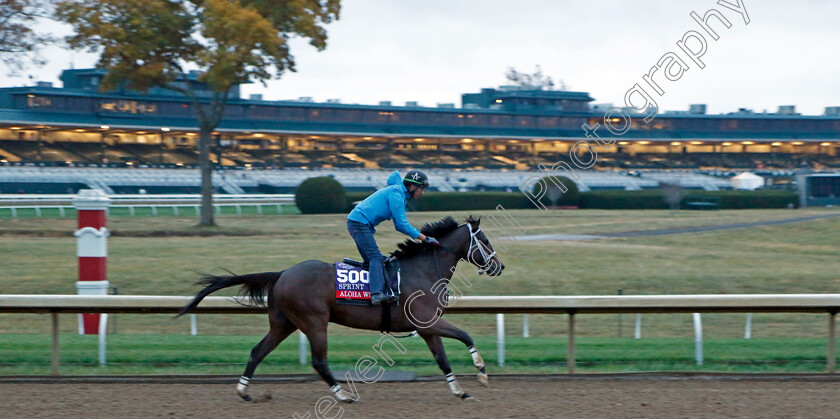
{"points": [[376, 277], [378, 298]]}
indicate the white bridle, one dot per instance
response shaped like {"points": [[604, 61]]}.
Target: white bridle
{"points": [[474, 242]]}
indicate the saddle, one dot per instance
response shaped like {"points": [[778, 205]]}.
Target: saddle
{"points": [[392, 281]]}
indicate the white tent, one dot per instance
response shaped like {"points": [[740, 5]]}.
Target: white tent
{"points": [[747, 181]]}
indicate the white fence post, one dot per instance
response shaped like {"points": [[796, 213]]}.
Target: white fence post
{"points": [[698, 339], [500, 338], [302, 348], [103, 330], [193, 325], [638, 333], [525, 331], [748, 327]]}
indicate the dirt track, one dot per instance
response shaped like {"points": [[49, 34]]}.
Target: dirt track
{"points": [[608, 398]]}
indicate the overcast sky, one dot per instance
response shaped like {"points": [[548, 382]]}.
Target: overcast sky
{"points": [[431, 51]]}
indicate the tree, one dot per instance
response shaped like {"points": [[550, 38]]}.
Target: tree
{"points": [[146, 43], [19, 43], [535, 80]]}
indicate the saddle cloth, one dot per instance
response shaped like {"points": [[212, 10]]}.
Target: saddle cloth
{"points": [[352, 285]]}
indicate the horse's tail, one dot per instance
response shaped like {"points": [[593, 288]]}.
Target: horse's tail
{"points": [[254, 287]]}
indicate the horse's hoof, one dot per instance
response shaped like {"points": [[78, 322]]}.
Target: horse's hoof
{"points": [[466, 396], [343, 396], [482, 379], [245, 397]]}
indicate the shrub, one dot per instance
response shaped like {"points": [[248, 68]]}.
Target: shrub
{"points": [[555, 194], [320, 195]]}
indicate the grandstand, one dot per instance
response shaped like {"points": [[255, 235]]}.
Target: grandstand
{"points": [[30, 179], [126, 141]]}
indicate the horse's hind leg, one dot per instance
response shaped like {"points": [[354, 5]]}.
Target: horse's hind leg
{"points": [[280, 328], [318, 344], [445, 329], [436, 346]]}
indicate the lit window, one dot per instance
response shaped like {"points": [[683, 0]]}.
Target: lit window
{"points": [[38, 101]]}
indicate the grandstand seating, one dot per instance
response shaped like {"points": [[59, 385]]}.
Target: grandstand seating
{"points": [[131, 180], [130, 167], [82, 152], [356, 156]]}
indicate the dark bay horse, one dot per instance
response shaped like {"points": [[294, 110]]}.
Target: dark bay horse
{"points": [[303, 297]]}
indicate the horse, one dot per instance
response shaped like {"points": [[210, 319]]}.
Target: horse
{"points": [[303, 298]]}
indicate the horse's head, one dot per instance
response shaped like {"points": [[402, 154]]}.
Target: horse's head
{"points": [[480, 253]]}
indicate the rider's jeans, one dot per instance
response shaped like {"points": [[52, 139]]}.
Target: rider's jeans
{"points": [[363, 236]]}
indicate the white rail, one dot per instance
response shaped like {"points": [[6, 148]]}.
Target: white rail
{"points": [[64, 203], [570, 305], [67, 199]]}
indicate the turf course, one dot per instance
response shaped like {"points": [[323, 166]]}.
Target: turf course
{"points": [[161, 255]]}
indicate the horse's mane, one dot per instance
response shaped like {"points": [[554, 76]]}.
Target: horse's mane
{"points": [[435, 229]]}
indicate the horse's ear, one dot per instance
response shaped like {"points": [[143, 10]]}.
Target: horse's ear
{"points": [[474, 221]]}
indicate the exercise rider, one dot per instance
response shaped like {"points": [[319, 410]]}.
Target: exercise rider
{"points": [[385, 204]]}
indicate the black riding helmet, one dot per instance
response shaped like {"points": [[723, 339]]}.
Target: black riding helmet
{"points": [[416, 177]]}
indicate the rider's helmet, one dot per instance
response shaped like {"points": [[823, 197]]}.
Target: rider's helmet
{"points": [[416, 177]]}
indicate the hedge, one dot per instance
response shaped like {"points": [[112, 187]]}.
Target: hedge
{"points": [[644, 199], [457, 201], [762, 198], [609, 199], [655, 199]]}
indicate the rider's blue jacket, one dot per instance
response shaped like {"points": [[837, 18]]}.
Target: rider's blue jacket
{"points": [[385, 204]]}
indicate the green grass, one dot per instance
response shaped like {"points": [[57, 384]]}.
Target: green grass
{"points": [[181, 354], [161, 255]]}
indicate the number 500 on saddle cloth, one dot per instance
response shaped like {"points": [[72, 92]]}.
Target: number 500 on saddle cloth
{"points": [[351, 282]]}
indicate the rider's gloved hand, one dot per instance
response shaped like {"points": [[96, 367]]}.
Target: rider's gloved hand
{"points": [[431, 240]]}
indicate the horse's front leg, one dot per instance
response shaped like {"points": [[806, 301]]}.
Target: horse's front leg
{"points": [[445, 329], [436, 346]]}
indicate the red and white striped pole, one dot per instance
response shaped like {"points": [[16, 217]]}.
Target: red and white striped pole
{"points": [[92, 250]]}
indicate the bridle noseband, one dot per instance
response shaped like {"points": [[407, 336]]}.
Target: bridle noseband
{"points": [[473, 243]]}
